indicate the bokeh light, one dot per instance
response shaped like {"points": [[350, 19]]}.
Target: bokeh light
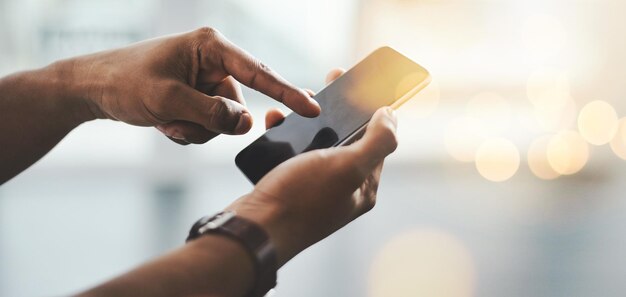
{"points": [[555, 119], [497, 159], [492, 111], [538, 159], [462, 138], [597, 122], [423, 262], [548, 89], [567, 152], [618, 143]]}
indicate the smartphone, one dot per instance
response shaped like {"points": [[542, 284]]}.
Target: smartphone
{"points": [[384, 78]]}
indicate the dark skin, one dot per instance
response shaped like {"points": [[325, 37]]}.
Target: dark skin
{"points": [[187, 87]]}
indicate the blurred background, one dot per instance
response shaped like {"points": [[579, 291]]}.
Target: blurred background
{"points": [[507, 181]]}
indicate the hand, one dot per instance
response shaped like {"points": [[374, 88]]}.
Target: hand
{"points": [[310, 196], [186, 85], [298, 203]]}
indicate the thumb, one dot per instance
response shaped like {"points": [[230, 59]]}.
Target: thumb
{"points": [[379, 139], [214, 113]]}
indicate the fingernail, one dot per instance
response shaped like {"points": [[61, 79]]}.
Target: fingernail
{"points": [[173, 134], [242, 125], [176, 135], [313, 101]]}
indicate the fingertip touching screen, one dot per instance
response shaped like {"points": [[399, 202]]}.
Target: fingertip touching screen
{"points": [[381, 79]]}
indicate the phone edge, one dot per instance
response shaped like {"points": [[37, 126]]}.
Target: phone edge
{"points": [[358, 133]]}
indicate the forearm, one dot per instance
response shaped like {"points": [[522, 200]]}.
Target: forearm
{"points": [[209, 266], [212, 265], [37, 108]]}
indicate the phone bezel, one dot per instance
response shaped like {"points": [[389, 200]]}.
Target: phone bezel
{"points": [[358, 133]]}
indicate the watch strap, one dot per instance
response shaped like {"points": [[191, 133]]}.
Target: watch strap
{"points": [[255, 241]]}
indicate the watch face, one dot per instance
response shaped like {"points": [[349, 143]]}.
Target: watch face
{"points": [[209, 223], [216, 221], [202, 221]]}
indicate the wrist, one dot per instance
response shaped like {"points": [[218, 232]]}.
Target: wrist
{"points": [[69, 81], [273, 219], [231, 260]]}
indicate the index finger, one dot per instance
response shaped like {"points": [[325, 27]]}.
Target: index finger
{"points": [[251, 72]]}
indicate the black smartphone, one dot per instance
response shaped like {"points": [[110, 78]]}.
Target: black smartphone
{"points": [[383, 78]]}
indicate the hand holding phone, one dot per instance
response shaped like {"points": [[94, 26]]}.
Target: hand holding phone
{"points": [[384, 78], [313, 194]]}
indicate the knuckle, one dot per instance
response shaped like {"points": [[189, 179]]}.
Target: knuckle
{"points": [[257, 68], [323, 158], [160, 109], [369, 192], [208, 32], [204, 39], [216, 112], [208, 36], [262, 66], [219, 114], [322, 155]]}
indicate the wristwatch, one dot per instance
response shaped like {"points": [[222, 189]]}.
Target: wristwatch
{"points": [[252, 237]]}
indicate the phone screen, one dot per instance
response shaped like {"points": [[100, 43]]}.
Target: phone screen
{"points": [[381, 79]]}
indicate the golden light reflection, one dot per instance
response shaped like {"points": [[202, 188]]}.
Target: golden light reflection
{"points": [[557, 119], [538, 158], [497, 159], [462, 138], [423, 262], [548, 89], [493, 112], [567, 152], [424, 103], [597, 122], [618, 143]]}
